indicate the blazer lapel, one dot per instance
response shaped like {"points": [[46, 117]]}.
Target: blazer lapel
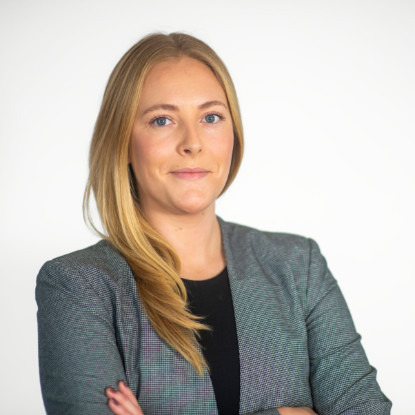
{"points": [[271, 339]]}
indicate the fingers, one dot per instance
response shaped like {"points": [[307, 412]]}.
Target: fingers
{"points": [[122, 402], [303, 410], [115, 407], [125, 390]]}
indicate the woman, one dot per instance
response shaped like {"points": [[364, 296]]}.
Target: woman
{"points": [[196, 315]]}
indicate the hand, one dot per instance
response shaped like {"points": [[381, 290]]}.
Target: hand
{"points": [[123, 401], [302, 410]]}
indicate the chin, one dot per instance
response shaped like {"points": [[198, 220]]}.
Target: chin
{"points": [[193, 202], [193, 207], [193, 210]]}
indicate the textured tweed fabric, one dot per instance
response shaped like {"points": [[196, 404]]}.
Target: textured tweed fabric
{"points": [[297, 342]]}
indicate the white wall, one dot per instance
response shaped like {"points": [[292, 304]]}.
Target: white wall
{"points": [[327, 93]]}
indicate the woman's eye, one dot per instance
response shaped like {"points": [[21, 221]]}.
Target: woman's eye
{"points": [[161, 121], [212, 118]]}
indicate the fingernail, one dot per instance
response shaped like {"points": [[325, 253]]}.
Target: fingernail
{"points": [[123, 382], [111, 389], [115, 402]]}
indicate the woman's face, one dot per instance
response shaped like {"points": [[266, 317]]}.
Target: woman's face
{"points": [[182, 139]]}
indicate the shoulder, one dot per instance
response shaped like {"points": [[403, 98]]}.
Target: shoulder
{"points": [[293, 261], [247, 239], [98, 267], [102, 256], [285, 255]]}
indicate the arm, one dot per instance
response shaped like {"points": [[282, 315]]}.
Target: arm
{"points": [[123, 402], [78, 354], [342, 381]]}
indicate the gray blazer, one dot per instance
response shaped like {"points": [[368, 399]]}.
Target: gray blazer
{"points": [[297, 342]]}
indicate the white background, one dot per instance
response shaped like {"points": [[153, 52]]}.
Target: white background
{"points": [[327, 94]]}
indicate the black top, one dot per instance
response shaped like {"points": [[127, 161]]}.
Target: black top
{"points": [[212, 300]]}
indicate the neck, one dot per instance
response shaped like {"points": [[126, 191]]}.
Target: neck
{"points": [[196, 239]]}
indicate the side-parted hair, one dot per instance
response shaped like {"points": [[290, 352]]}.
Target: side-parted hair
{"points": [[154, 263]]}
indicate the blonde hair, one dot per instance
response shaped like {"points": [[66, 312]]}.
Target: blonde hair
{"points": [[154, 263]]}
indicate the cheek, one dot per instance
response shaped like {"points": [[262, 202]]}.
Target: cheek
{"points": [[139, 158], [138, 153], [147, 157], [141, 150], [226, 147]]}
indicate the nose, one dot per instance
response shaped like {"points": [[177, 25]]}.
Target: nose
{"points": [[190, 143]]}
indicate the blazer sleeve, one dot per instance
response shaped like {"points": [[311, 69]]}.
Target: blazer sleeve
{"points": [[78, 354], [341, 379]]}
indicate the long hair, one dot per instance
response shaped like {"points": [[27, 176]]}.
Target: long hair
{"points": [[154, 263]]}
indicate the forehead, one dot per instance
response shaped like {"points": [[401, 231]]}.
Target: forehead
{"points": [[179, 79]]}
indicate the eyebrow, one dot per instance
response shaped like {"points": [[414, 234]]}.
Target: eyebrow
{"points": [[170, 107]]}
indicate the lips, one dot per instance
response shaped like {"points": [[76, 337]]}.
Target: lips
{"points": [[190, 173]]}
